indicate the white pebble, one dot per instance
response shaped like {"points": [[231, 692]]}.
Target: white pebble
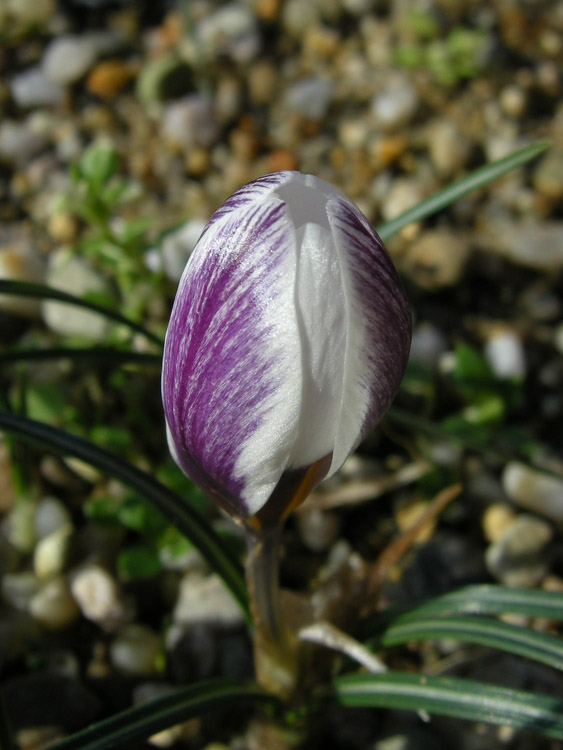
{"points": [[51, 552], [309, 98], [534, 490], [135, 650], [505, 354], [53, 605], [190, 121], [32, 88], [230, 30], [19, 142], [428, 345], [519, 557], [97, 594], [175, 250], [205, 599], [19, 263], [396, 105], [68, 58], [50, 516]]}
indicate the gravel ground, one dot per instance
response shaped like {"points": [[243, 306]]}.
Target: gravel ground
{"points": [[102, 605]]}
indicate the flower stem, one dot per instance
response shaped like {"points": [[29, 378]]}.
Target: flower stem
{"points": [[275, 646]]}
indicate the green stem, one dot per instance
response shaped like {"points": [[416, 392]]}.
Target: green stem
{"points": [[275, 647]]}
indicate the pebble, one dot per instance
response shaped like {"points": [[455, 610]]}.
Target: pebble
{"points": [[534, 491], [538, 246], [496, 520], [204, 599], [318, 529], [548, 175], [513, 100], [298, 16], [109, 78], [404, 193], [449, 149], [135, 650], [309, 98], [263, 82], [396, 105], [428, 345], [505, 354], [19, 263], [51, 552], [72, 274], [437, 259], [190, 122], [407, 511], [175, 250], [63, 227], [68, 58], [18, 589], [98, 595], [230, 31], [32, 88], [20, 142], [27, 13], [50, 515], [19, 527], [520, 557], [163, 79], [53, 605]]}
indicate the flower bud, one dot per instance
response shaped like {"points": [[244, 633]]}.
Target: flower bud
{"points": [[287, 342]]}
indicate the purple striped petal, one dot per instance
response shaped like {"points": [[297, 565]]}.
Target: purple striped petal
{"points": [[287, 341]]}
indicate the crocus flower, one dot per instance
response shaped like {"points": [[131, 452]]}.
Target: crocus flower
{"points": [[287, 342]]}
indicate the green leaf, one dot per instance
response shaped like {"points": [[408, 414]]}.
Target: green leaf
{"points": [[178, 512], [141, 516], [40, 291], [105, 355], [452, 696], [479, 178], [484, 600], [526, 642], [99, 163], [138, 563], [129, 727]]}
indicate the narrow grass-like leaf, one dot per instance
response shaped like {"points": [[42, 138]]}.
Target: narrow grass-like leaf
{"points": [[129, 727], [479, 178], [484, 631], [179, 513], [452, 696], [41, 291], [488, 599], [102, 354]]}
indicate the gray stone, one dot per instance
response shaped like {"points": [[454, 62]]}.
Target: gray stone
{"points": [[53, 605], [309, 98], [20, 142], [135, 650], [318, 529], [50, 515], [534, 491], [449, 148], [520, 557], [190, 122], [32, 88], [99, 597], [204, 599], [231, 30], [428, 345], [396, 104], [68, 58], [19, 588], [505, 354], [538, 246], [437, 259]]}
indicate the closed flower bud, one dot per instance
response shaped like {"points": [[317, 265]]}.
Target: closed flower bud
{"points": [[287, 342]]}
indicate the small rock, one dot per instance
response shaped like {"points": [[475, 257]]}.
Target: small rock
{"points": [[449, 149], [19, 263], [535, 491], [19, 526], [63, 227], [135, 650], [538, 246], [176, 248], [513, 100], [18, 589], [437, 259], [520, 556], [72, 274], [19, 142], [228, 98], [404, 193], [395, 105], [99, 597], [318, 529], [108, 78], [496, 520], [428, 345], [298, 16], [68, 58], [190, 122], [51, 552], [262, 82], [309, 98], [163, 79], [407, 512], [548, 175], [53, 605], [204, 599], [27, 13], [230, 31], [32, 88], [505, 354]]}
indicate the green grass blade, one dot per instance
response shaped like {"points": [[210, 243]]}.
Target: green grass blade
{"points": [[457, 190], [129, 727], [451, 696], [522, 641], [487, 599], [179, 513], [98, 354], [41, 291]]}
